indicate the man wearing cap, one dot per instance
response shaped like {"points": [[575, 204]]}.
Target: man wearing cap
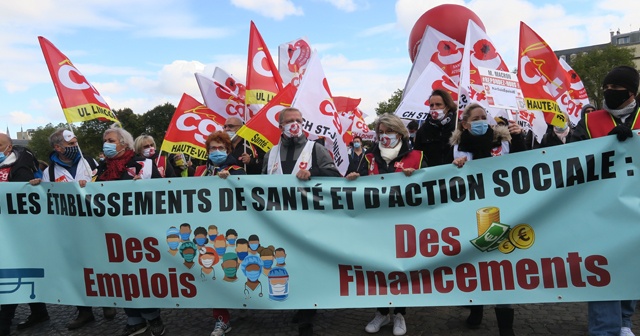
{"points": [[66, 164], [619, 116], [620, 109]]}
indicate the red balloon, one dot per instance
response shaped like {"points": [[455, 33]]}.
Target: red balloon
{"points": [[449, 19]]}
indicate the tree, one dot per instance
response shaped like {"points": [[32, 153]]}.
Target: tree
{"points": [[391, 104], [156, 121], [594, 65], [39, 142]]}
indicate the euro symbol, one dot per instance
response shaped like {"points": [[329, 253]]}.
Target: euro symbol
{"points": [[489, 237], [522, 234]]}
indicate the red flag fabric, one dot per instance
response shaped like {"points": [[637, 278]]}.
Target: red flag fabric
{"points": [[80, 101], [189, 128], [263, 79], [262, 130]]}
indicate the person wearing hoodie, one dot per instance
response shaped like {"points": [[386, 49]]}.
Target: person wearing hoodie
{"points": [[618, 117], [586, 109], [473, 140], [392, 155], [66, 164]]}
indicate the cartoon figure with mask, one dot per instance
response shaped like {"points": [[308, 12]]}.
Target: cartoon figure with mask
{"points": [[232, 236], [213, 233], [207, 259], [185, 232], [200, 236], [278, 284], [188, 253], [251, 267], [173, 240], [281, 256], [230, 266], [242, 248], [254, 245], [220, 244], [267, 256]]}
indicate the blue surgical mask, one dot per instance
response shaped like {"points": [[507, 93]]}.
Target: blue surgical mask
{"points": [[280, 260], [253, 275], [2, 157], [200, 241], [109, 149], [254, 247], [71, 152], [231, 241], [242, 255], [188, 257], [356, 145], [231, 134], [185, 236], [174, 245], [221, 250], [212, 237], [217, 157], [267, 263], [479, 127]]}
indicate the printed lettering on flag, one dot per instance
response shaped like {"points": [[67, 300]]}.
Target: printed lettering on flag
{"points": [[220, 98], [415, 103], [79, 99], [263, 79], [577, 92]]}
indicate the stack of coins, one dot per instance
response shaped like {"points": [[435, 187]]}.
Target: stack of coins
{"points": [[485, 216]]}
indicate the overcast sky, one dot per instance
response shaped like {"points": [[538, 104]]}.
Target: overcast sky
{"points": [[142, 53]]}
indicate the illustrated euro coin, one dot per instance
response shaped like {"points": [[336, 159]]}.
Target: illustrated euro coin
{"points": [[522, 236], [506, 246]]}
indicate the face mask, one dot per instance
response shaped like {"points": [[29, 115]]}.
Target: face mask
{"points": [[253, 275], [231, 134], [207, 263], [188, 257], [185, 236], [437, 114], [267, 263], [254, 247], [242, 255], [231, 241], [101, 159], [2, 157], [280, 261], [230, 272], [200, 241], [109, 149], [180, 162], [221, 250], [217, 157], [279, 289], [389, 140], [149, 152], [479, 127], [293, 130], [212, 237], [71, 152], [615, 98], [356, 145], [412, 135], [174, 245]]}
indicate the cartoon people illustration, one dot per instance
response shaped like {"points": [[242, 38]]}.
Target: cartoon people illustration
{"points": [[281, 255], [278, 284], [213, 233], [232, 236], [251, 267], [254, 245], [230, 266], [207, 259], [173, 240], [220, 244], [188, 253], [185, 232], [267, 255], [200, 236], [242, 248]]}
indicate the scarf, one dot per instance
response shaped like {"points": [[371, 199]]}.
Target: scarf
{"points": [[478, 145], [116, 166]]}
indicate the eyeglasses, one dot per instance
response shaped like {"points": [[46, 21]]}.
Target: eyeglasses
{"points": [[230, 126], [220, 148]]}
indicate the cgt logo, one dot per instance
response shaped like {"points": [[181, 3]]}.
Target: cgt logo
{"points": [[189, 122], [72, 79]]}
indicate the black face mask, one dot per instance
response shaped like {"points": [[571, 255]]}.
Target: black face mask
{"points": [[615, 98]]}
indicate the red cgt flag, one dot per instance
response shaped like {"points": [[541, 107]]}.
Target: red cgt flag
{"points": [[191, 124], [263, 78], [80, 101]]}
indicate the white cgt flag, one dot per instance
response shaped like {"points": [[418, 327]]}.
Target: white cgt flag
{"points": [[415, 103]]}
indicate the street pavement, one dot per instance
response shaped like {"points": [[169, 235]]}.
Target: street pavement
{"points": [[566, 319]]}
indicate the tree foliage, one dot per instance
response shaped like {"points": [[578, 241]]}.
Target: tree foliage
{"points": [[39, 142], [391, 104], [594, 65]]}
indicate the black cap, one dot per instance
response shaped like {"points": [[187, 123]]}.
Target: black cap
{"points": [[624, 76]]}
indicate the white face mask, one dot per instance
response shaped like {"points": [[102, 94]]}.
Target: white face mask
{"points": [[389, 140], [207, 263], [279, 289], [148, 152], [292, 129], [437, 114]]}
